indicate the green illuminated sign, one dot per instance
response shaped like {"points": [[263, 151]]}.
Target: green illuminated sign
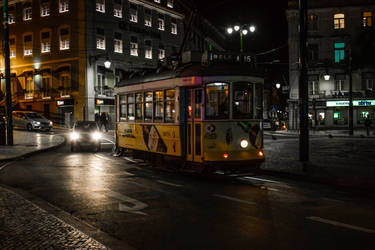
{"points": [[336, 115]]}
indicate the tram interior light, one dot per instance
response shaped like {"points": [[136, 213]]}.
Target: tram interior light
{"points": [[244, 32], [236, 28], [230, 30], [252, 28], [260, 153], [226, 156]]}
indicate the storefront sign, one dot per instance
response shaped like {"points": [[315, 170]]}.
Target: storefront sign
{"points": [[105, 101], [67, 102], [359, 103]]}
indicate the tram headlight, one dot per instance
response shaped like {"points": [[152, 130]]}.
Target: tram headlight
{"points": [[244, 143]]}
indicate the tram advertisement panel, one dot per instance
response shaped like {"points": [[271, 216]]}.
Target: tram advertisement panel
{"points": [[154, 138], [226, 137]]}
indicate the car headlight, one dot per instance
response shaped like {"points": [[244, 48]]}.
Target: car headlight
{"points": [[74, 136], [50, 123], [96, 135], [244, 143]]}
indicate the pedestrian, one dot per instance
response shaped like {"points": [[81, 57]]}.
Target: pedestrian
{"points": [[97, 119], [368, 125], [104, 121]]}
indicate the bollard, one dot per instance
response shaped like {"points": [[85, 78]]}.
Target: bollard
{"points": [[2, 131]]}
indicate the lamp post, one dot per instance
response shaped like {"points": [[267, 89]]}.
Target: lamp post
{"points": [[243, 30]]}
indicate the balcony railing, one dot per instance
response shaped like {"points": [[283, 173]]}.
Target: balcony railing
{"points": [[105, 91]]}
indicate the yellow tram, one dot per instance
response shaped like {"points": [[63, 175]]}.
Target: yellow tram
{"points": [[207, 115]]}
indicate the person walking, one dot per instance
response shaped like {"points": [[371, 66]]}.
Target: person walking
{"points": [[368, 125], [97, 119], [104, 121]]}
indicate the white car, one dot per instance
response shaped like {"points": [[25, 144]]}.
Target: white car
{"points": [[85, 133], [31, 121]]}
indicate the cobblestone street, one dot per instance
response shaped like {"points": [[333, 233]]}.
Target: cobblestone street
{"points": [[24, 225]]}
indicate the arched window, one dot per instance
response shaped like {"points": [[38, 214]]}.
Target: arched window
{"points": [[339, 21]]}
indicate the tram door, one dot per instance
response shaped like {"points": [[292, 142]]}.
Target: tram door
{"points": [[194, 125]]}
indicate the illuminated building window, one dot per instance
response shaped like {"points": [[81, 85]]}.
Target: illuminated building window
{"points": [[100, 82], [161, 24], [312, 22], [12, 47], [64, 84], [367, 19], [11, 18], [148, 49], [44, 10], [161, 52], [100, 39], [29, 88], [117, 8], [174, 27], [118, 43], [170, 3], [27, 14], [64, 39], [63, 6], [133, 13], [133, 46], [45, 42], [46, 86], [339, 21], [28, 45], [148, 18], [100, 6], [339, 52]]}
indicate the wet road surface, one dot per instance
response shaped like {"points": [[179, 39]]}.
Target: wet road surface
{"points": [[151, 209]]}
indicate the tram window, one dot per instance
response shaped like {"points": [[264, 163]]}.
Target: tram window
{"points": [[217, 106], [198, 103], [148, 106], [123, 108], [242, 100], [158, 102], [170, 110], [139, 107], [258, 101], [189, 104], [131, 115]]}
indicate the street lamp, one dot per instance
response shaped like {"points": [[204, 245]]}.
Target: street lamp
{"points": [[107, 63], [326, 76], [278, 85], [243, 30]]}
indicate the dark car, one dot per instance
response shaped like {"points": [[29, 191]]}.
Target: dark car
{"points": [[85, 134]]}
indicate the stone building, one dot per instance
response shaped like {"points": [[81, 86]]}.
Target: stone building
{"points": [[59, 48], [340, 42]]}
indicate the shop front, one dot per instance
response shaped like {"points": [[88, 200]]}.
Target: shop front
{"points": [[65, 112], [337, 113], [106, 106]]}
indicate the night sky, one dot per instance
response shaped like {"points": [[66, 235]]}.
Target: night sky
{"points": [[268, 16]]}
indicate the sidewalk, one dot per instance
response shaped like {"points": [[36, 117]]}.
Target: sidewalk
{"points": [[26, 143], [23, 225], [358, 132], [339, 160]]}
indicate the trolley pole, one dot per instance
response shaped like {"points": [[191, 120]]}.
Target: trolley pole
{"points": [[303, 86], [8, 92]]}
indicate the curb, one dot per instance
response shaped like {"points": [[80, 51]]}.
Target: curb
{"points": [[18, 157]]}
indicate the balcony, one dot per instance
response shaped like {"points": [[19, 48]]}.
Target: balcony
{"points": [[104, 91]]}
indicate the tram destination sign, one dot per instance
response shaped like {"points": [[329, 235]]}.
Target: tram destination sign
{"points": [[231, 58], [359, 103]]}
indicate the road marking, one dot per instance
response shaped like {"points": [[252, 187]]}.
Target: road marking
{"points": [[234, 199], [102, 157], [169, 183], [98, 168], [340, 224], [259, 179], [5, 165], [137, 205]]}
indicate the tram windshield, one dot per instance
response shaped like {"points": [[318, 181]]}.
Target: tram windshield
{"points": [[242, 100], [217, 106]]}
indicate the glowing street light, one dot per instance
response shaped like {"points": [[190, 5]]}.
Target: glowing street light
{"points": [[278, 85], [243, 30]]}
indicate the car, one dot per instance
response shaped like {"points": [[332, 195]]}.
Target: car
{"points": [[31, 121], [85, 134]]}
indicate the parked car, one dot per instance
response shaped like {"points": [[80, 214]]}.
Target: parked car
{"points": [[85, 133], [31, 121]]}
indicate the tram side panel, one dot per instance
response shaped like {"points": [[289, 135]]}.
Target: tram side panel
{"points": [[154, 138]]}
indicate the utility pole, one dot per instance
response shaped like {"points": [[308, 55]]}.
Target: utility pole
{"points": [[8, 92], [303, 86], [351, 126]]}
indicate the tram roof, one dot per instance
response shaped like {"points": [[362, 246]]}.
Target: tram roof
{"points": [[194, 69]]}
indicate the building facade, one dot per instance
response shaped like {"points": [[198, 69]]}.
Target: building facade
{"points": [[336, 56], [59, 48]]}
